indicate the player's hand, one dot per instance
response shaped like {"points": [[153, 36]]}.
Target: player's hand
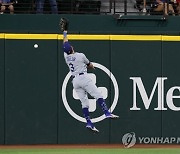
{"points": [[91, 66], [64, 24]]}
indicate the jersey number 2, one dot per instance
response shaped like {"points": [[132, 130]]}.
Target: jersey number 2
{"points": [[71, 67]]}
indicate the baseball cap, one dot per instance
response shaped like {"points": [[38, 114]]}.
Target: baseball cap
{"points": [[67, 47]]}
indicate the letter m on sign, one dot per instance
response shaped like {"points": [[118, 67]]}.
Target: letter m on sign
{"points": [[138, 84]]}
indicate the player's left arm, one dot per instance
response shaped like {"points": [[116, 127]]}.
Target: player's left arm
{"points": [[88, 63], [65, 38], [64, 24], [90, 66]]}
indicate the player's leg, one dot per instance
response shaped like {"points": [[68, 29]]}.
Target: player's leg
{"points": [[85, 108], [39, 6], [92, 89], [3, 8], [54, 8], [11, 9]]}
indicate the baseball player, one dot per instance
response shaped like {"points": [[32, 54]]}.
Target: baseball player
{"points": [[78, 64]]}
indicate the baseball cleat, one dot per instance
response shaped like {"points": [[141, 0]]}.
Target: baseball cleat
{"points": [[92, 128], [111, 116]]}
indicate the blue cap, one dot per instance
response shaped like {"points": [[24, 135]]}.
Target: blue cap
{"points": [[67, 47]]}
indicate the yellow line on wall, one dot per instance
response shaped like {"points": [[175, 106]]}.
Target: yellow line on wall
{"points": [[137, 37], [32, 36], [90, 37], [1, 35], [170, 38]]}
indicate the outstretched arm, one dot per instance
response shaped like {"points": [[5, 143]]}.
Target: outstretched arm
{"points": [[64, 23], [65, 38]]}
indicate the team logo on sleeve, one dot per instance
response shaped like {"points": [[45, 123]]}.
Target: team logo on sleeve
{"points": [[92, 102]]}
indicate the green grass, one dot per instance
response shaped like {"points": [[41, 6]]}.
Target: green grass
{"points": [[90, 151]]}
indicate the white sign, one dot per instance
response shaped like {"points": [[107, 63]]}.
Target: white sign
{"points": [[159, 84], [114, 103], [130, 139]]}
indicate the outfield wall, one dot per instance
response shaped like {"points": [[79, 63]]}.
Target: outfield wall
{"points": [[137, 74], [89, 24]]}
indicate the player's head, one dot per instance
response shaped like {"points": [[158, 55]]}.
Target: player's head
{"points": [[67, 48]]}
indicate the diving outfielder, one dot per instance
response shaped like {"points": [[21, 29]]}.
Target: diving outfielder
{"points": [[78, 64]]}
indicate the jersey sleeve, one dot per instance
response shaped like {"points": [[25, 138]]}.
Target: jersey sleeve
{"points": [[86, 61]]}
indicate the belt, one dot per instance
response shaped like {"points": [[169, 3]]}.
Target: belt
{"points": [[78, 74]]}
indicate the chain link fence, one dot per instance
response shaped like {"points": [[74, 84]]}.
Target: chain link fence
{"points": [[124, 7]]}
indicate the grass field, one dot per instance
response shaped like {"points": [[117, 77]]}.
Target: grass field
{"points": [[91, 151]]}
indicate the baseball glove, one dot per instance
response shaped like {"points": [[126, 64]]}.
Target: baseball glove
{"points": [[64, 23]]}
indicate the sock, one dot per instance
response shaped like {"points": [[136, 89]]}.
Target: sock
{"points": [[103, 105], [86, 115]]}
